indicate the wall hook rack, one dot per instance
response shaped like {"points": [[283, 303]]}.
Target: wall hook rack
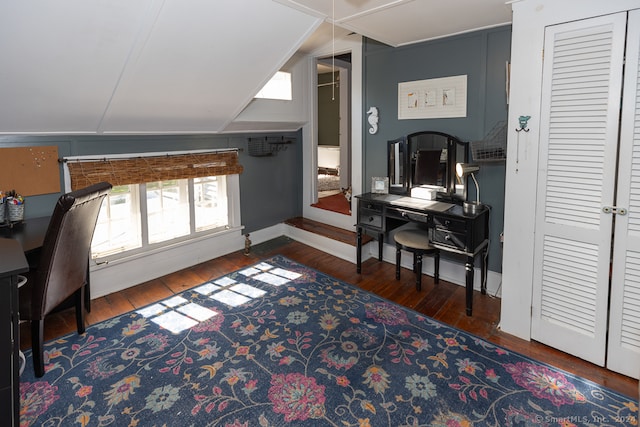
{"points": [[268, 146]]}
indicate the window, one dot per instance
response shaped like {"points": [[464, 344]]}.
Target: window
{"points": [[197, 194], [118, 226], [210, 200], [123, 227], [167, 210], [279, 87]]}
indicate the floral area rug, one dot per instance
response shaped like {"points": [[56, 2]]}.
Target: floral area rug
{"points": [[281, 344]]}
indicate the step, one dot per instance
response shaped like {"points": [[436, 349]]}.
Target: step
{"points": [[325, 230]]}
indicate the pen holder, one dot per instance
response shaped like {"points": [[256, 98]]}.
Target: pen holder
{"points": [[15, 211], [3, 209]]}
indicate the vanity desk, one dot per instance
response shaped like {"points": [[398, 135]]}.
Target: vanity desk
{"points": [[450, 229], [430, 162]]}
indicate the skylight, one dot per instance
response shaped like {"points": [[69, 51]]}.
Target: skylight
{"points": [[279, 87]]}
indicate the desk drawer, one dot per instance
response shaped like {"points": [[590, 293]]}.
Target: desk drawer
{"points": [[370, 218], [450, 224], [408, 215], [449, 238], [369, 206]]}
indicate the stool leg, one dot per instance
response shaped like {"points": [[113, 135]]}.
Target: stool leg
{"points": [[418, 268], [398, 256], [436, 273]]}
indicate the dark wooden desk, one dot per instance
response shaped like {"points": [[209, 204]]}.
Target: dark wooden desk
{"points": [[450, 229], [12, 263], [17, 242], [29, 233]]}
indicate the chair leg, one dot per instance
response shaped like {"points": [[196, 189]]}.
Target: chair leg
{"points": [[415, 259], [418, 268], [79, 297], [398, 257], [436, 273], [87, 291], [37, 338]]}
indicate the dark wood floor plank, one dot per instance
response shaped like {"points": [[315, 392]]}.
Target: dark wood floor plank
{"points": [[145, 293]]}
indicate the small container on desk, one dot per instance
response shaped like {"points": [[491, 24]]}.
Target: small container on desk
{"points": [[15, 212], [12, 211]]}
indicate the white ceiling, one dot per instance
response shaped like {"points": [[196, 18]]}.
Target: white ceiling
{"points": [[142, 66], [174, 66], [403, 22]]}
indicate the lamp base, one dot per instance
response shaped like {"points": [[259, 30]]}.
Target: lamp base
{"points": [[472, 208]]}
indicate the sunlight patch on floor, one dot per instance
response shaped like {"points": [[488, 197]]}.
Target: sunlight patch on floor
{"points": [[177, 314]]}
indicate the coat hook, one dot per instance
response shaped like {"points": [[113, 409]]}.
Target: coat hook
{"points": [[523, 123]]}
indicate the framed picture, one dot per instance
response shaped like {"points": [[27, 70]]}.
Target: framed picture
{"points": [[380, 185], [433, 98]]}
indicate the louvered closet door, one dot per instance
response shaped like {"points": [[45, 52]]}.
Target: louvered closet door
{"points": [[623, 354], [578, 147]]}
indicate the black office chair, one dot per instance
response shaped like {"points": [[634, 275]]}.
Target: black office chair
{"points": [[417, 242], [62, 267]]}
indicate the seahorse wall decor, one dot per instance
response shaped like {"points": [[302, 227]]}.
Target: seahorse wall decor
{"points": [[373, 120]]}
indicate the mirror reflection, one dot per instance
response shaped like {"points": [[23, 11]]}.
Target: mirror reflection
{"points": [[428, 158], [397, 167]]}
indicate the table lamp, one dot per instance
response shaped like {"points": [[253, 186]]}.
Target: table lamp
{"points": [[462, 170]]}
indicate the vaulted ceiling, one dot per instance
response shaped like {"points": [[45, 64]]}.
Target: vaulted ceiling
{"points": [[175, 66]]}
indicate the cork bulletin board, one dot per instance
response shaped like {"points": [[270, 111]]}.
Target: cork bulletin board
{"points": [[30, 171]]}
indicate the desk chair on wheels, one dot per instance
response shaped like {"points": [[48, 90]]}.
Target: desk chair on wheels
{"points": [[417, 242], [62, 268]]}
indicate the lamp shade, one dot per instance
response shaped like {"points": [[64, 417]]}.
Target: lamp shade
{"points": [[463, 169]]}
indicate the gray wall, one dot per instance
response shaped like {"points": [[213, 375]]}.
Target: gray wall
{"points": [[328, 111], [270, 187], [481, 56]]}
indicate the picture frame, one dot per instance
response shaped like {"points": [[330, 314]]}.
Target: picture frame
{"points": [[380, 185], [443, 97]]}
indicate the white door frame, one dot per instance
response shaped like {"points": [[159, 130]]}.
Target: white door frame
{"points": [[309, 135]]}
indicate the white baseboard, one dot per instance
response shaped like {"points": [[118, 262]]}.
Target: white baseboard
{"points": [[325, 244], [121, 274], [266, 234]]}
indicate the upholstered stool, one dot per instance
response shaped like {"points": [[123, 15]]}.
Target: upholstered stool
{"points": [[417, 242]]}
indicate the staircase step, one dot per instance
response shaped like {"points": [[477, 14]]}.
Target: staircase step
{"points": [[325, 230]]}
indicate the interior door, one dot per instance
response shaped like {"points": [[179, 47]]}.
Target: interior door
{"points": [[623, 354], [582, 80]]}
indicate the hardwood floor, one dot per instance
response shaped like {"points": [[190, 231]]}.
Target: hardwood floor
{"points": [[444, 302]]}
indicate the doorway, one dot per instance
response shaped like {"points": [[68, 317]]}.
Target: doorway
{"points": [[333, 148]]}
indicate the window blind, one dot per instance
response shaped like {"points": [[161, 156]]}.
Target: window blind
{"points": [[138, 170]]}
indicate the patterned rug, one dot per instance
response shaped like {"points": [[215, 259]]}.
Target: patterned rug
{"points": [[282, 344]]}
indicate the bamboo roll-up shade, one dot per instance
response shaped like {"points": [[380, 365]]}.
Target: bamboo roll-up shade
{"points": [[139, 170]]}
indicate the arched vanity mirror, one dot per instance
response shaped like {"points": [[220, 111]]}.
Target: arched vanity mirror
{"points": [[428, 158]]}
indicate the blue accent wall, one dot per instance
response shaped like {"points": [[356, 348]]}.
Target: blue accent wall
{"points": [[270, 187], [482, 57]]}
